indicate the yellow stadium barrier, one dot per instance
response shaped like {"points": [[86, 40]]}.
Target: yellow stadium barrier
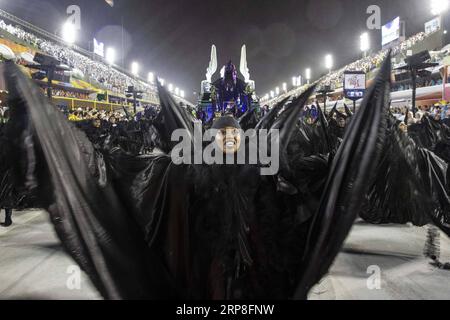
{"points": [[74, 103]]}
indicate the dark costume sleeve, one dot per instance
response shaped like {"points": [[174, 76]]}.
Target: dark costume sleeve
{"points": [[411, 184], [85, 206], [8, 194], [394, 196], [346, 187]]}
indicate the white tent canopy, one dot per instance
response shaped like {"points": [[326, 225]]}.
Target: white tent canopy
{"points": [[77, 73], [6, 52], [28, 57]]}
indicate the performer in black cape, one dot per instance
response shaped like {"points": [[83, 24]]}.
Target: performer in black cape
{"points": [[143, 227]]}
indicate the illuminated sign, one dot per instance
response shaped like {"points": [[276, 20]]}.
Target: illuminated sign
{"points": [[354, 84], [390, 32], [433, 25]]}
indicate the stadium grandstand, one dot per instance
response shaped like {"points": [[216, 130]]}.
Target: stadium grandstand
{"points": [[432, 86], [90, 82]]}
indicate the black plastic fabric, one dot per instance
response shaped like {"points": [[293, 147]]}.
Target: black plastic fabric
{"points": [[144, 228], [9, 195], [93, 224]]}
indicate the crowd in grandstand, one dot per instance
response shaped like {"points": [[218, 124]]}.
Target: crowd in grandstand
{"points": [[97, 71], [371, 62], [420, 84], [82, 114], [69, 94], [438, 112], [335, 79]]}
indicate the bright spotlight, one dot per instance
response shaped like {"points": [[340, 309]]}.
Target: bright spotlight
{"points": [[177, 91], [308, 74], [277, 91], [285, 87], [182, 94], [110, 55], [272, 94], [162, 81], [329, 62], [439, 6], [365, 42], [135, 68], [170, 87], [294, 81], [69, 33], [151, 77]]}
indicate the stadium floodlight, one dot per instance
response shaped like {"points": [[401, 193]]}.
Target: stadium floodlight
{"points": [[365, 42], [151, 77], [329, 62], [272, 94], [439, 6], [177, 91], [182, 94], [285, 87], [308, 74], [162, 81], [110, 55], [294, 81], [170, 87], [277, 91], [69, 33], [299, 81], [135, 68]]}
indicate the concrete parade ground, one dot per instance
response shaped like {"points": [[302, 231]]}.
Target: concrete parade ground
{"points": [[376, 263]]}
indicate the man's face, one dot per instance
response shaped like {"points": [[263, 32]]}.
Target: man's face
{"points": [[229, 140], [341, 123], [97, 123]]}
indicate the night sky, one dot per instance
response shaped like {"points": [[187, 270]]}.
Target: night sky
{"points": [[173, 37]]}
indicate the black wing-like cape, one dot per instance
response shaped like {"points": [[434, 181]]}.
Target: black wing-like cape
{"points": [[95, 226], [352, 166]]}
